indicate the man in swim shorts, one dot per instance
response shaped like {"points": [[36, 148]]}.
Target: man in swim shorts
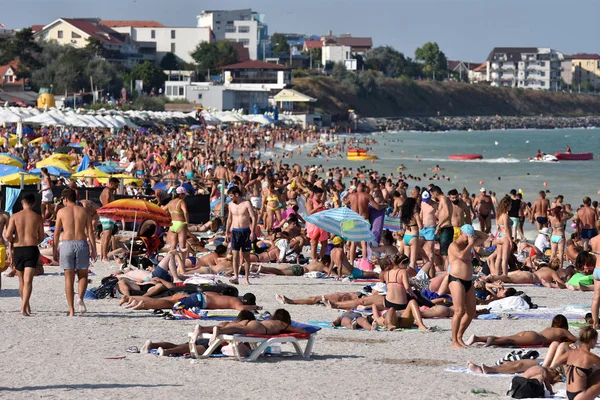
{"points": [[428, 211], [74, 226], [461, 214], [484, 206], [107, 196], [444, 226], [539, 211], [241, 225], [588, 218], [25, 232]]}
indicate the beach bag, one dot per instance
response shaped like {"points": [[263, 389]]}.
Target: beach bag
{"points": [[523, 388], [365, 265], [107, 287]]}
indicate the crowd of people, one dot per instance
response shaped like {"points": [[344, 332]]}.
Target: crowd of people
{"points": [[433, 264]]}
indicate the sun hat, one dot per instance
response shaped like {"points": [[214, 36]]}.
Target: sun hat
{"points": [[546, 231], [181, 190], [337, 240]]}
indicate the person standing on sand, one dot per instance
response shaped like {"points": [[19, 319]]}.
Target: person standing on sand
{"points": [[539, 211], [4, 219], [107, 196], [359, 203], [25, 231], [484, 207], [74, 225], [241, 225], [460, 282], [587, 217]]}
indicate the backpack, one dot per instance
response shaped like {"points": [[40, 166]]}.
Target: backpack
{"points": [[523, 388], [107, 288]]}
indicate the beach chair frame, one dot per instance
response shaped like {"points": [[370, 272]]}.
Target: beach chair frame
{"points": [[258, 344]]}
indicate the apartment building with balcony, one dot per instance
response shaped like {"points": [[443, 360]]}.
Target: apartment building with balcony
{"points": [[525, 67], [241, 26], [585, 69]]}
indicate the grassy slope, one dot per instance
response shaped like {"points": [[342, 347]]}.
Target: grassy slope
{"points": [[396, 98]]}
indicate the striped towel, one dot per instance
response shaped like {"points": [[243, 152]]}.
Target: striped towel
{"points": [[392, 224]]}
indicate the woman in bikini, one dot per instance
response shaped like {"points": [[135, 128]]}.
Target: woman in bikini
{"points": [[178, 232], [47, 196], [583, 377], [392, 319], [398, 287], [558, 332], [498, 262], [271, 205], [558, 218], [411, 220], [595, 246]]}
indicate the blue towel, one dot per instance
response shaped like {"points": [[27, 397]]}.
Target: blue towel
{"points": [[488, 316]]}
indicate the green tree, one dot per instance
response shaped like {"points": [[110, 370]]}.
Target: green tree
{"points": [[152, 76], [391, 62], [433, 59], [95, 46], [104, 75], [279, 44], [169, 62], [227, 53], [211, 56], [24, 48]]}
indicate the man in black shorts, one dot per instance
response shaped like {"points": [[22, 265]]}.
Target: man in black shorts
{"points": [[25, 231], [241, 225]]}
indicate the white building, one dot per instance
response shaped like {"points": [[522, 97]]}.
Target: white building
{"points": [[180, 41], [525, 67], [242, 26], [337, 53]]}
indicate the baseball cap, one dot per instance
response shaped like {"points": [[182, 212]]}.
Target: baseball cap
{"points": [[181, 190], [425, 196], [468, 229], [482, 190], [337, 240]]}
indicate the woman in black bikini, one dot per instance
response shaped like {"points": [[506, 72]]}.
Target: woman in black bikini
{"points": [[582, 381], [396, 279]]}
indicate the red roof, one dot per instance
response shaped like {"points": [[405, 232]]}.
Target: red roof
{"points": [[252, 64], [133, 24], [354, 41], [37, 28], [481, 68], [242, 52], [585, 57], [14, 65], [313, 44], [101, 32]]}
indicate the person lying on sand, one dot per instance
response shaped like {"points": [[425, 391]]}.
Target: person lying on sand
{"points": [[293, 270], [205, 301], [405, 319], [167, 348], [281, 323], [556, 356], [558, 332], [545, 276], [353, 320], [212, 263], [332, 297]]}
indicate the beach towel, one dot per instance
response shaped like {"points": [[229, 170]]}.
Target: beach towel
{"points": [[465, 370], [316, 275], [539, 316], [488, 316], [514, 303], [327, 325], [392, 224]]}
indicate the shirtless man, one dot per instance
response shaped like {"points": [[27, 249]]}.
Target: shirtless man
{"points": [[484, 206], [74, 226], [544, 275], [221, 172], [428, 216], [204, 300], [539, 211], [444, 228], [461, 282], [359, 203], [24, 233], [587, 217], [188, 169], [4, 219], [241, 225], [296, 270], [107, 196], [212, 263], [339, 260]]}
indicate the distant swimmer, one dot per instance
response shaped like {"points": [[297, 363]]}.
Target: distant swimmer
{"points": [[567, 149]]}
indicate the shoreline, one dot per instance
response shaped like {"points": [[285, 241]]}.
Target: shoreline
{"points": [[444, 124]]}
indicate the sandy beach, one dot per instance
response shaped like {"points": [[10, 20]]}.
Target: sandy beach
{"points": [[65, 358]]}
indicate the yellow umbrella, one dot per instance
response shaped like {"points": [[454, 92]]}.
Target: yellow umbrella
{"points": [[54, 162], [62, 157], [90, 173], [12, 140], [15, 179], [36, 140], [6, 160], [128, 179]]}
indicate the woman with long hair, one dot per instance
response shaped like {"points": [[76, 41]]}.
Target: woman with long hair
{"points": [[503, 240], [47, 195], [558, 218], [178, 232], [583, 379], [412, 224]]}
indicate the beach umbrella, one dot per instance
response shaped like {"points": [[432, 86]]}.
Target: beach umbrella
{"points": [[53, 162], [127, 179], [343, 222], [52, 170], [6, 160], [10, 169], [132, 210], [15, 179], [9, 117], [62, 157], [84, 164], [36, 141], [90, 173]]}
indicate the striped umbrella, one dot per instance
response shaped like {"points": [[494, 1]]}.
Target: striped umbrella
{"points": [[344, 223]]}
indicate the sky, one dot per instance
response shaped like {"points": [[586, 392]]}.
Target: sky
{"points": [[465, 30]]}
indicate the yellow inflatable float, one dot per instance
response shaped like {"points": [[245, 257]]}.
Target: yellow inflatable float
{"points": [[359, 155]]}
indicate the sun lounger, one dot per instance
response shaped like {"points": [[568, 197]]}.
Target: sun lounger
{"points": [[258, 343]]}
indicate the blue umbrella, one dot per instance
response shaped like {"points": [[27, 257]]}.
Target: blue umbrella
{"points": [[195, 126], [14, 157], [109, 169], [84, 164], [343, 222], [10, 169], [52, 170]]}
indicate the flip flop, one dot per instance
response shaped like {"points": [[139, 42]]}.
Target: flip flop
{"points": [[234, 281], [114, 357], [132, 349]]}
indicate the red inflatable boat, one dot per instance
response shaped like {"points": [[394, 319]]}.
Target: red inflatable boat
{"points": [[465, 157], [574, 156]]}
